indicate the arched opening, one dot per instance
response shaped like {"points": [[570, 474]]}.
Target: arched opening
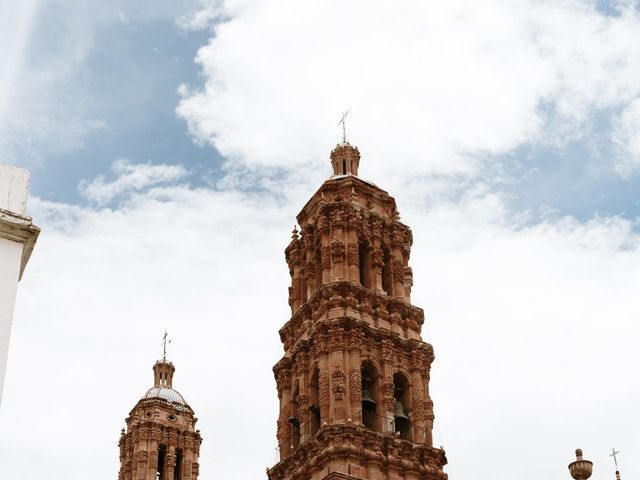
{"points": [[370, 396], [177, 473], [400, 410], [344, 167], [318, 262], [314, 402], [294, 419], [364, 256], [387, 272], [161, 470]]}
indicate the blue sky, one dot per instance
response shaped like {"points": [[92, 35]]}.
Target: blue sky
{"points": [[172, 143], [128, 80]]}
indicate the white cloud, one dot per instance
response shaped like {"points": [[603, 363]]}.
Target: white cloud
{"points": [[97, 124], [627, 138], [15, 26], [437, 86], [130, 177], [534, 330], [201, 18]]}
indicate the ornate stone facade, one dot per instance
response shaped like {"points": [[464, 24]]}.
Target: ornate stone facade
{"points": [[354, 380], [161, 442]]}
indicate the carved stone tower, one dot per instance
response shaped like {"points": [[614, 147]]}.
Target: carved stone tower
{"points": [[160, 442], [354, 380]]}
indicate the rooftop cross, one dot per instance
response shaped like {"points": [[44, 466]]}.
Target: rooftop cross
{"points": [[344, 125], [614, 454], [164, 346]]}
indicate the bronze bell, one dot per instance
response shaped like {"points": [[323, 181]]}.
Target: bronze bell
{"points": [[398, 411], [294, 421], [366, 398]]}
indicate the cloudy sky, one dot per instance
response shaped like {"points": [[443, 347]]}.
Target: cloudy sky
{"points": [[172, 142]]}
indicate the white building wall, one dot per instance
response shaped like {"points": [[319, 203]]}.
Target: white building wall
{"points": [[10, 258], [17, 236], [14, 187]]}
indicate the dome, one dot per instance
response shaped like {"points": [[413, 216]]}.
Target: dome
{"points": [[165, 393]]}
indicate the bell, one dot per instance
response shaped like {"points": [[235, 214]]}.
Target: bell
{"points": [[367, 401], [294, 421], [398, 411]]}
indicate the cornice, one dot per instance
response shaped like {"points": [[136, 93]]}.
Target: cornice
{"points": [[20, 229], [347, 333], [347, 182], [354, 300], [355, 441]]}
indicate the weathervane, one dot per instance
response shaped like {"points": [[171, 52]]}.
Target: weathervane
{"points": [[344, 125], [164, 345]]}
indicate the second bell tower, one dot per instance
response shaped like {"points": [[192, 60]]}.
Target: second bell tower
{"points": [[354, 380]]}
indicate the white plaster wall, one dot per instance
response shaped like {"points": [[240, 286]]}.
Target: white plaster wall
{"points": [[10, 257], [14, 186]]}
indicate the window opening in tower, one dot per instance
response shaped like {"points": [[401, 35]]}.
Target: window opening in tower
{"points": [[162, 463], [401, 395], [369, 375], [318, 262], [177, 473], [314, 402], [294, 422], [387, 279], [364, 256]]}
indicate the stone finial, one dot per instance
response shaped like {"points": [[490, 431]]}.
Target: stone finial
{"points": [[580, 469], [294, 233], [345, 159]]}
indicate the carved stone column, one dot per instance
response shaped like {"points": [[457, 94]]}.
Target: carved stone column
{"points": [[171, 462], [355, 386], [324, 394]]}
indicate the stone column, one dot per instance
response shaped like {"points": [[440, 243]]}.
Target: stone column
{"points": [[152, 468], [397, 272], [338, 411], [418, 406], [353, 260], [284, 434], [377, 261], [355, 386], [324, 394], [387, 386], [171, 461], [396, 240]]}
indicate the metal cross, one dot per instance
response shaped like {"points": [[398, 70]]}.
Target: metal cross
{"points": [[164, 346], [615, 458], [344, 125]]}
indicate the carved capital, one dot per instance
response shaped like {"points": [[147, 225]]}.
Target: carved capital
{"points": [[337, 250], [325, 257], [337, 384], [377, 258], [353, 254], [398, 270]]}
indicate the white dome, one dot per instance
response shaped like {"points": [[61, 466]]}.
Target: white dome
{"points": [[168, 394]]}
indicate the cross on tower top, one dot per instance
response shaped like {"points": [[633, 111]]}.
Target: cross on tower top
{"points": [[164, 345], [343, 121], [614, 454]]}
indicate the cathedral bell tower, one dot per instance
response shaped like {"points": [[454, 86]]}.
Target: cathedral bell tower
{"points": [[354, 380], [160, 442]]}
